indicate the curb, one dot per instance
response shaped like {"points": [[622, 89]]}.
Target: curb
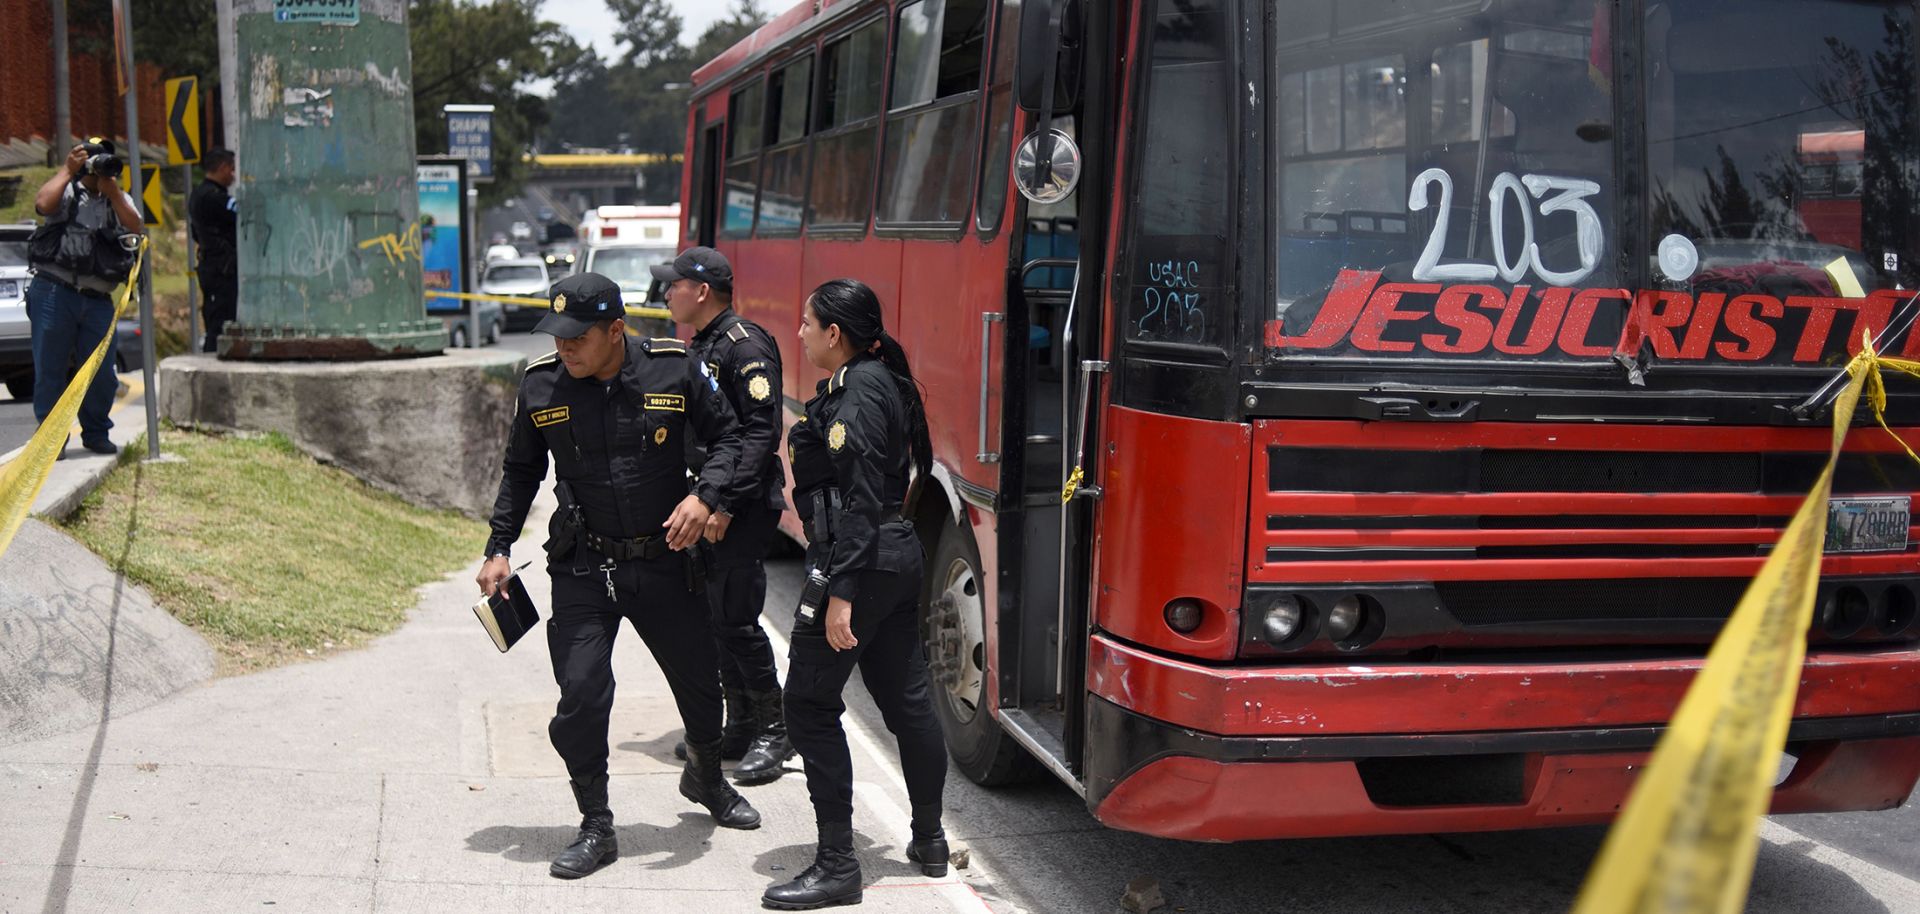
{"points": [[75, 477]]}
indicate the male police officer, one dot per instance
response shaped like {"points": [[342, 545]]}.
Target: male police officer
{"points": [[746, 362], [615, 420]]}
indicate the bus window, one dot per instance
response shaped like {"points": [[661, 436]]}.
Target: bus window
{"points": [[1446, 142], [744, 114], [999, 148], [783, 188], [1781, 138], [846, 124], [700, 206], [1182, 205], [927, 175]]}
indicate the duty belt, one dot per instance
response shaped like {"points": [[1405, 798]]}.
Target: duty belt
{"points": [[645, 548]]}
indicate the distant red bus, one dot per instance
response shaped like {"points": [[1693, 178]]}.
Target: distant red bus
{"points": [[1440, 373]]}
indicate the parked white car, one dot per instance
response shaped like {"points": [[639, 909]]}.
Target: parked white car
{"points": [[16, 335]]}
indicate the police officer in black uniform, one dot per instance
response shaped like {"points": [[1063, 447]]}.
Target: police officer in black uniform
{"points": [[615, 411], [863, 432], [746, 362]]}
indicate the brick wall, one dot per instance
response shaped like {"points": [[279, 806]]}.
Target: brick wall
{"points": [[26, 78]]}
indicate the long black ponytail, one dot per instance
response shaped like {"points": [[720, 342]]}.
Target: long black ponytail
{"points": [[852, 305]]}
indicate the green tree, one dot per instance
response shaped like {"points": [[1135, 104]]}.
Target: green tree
{"points": [[181, 36], [639, 101], [467, 52]]}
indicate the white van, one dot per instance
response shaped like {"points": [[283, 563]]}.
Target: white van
{"points": [[658, 226], [626, 264]]}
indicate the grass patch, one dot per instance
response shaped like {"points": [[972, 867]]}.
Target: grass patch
{"points": [[269, 555], [17, 206]]}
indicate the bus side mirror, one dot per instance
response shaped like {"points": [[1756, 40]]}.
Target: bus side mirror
{"points": [[1049, 33]]}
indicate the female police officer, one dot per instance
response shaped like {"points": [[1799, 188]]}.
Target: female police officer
{"points": [[850, 456]]}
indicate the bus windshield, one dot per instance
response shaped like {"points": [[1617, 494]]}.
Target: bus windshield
{"points": [[1474, 182]]}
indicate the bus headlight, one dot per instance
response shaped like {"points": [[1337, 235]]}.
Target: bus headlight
{"points": [[1344, 619], [1281, 620]]}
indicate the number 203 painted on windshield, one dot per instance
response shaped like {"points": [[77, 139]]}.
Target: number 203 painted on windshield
{"points": [[1570, 199]]}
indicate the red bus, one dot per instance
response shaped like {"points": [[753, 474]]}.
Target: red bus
{"points": [[1440, 373]]}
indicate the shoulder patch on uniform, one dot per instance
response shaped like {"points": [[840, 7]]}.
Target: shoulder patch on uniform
{"points": [[664, 346], [550, 359], [673, 402], [753, 366], [737, 333], [759, 388], [836, 436], [545, 417]]}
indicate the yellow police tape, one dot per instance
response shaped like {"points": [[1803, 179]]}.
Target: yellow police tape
{"points": [[632, 310], [1687, 839], [22, 477]]}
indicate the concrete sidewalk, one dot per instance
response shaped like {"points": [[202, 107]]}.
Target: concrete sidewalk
{"points": [[413, 775]]}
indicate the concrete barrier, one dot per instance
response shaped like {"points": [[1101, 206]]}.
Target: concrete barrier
{"points": [[79, 642], [431, 430]]}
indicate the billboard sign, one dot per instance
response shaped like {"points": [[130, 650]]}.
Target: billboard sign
{"points": [[443, 234]]}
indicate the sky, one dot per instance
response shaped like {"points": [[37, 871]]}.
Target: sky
{"points": [[590, 23]]}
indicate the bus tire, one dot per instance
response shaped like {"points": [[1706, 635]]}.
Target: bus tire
{"points": [[952, 630]]}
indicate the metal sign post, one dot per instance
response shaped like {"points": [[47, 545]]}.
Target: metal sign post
{"points": [[145, 279]]}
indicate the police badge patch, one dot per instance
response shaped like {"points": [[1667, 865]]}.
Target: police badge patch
{"points": [[559, 303], [759, 388], [837, 437], [660, 435]]}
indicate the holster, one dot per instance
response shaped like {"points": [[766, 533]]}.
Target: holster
{"points": [[566, 528], [699, 560], [826, 504]]}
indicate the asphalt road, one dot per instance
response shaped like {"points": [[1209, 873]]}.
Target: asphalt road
{"points": [[16, 421], [1042, 851]]}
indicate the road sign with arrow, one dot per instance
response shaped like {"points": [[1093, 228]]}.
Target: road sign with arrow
{"points": [[183, 120]]}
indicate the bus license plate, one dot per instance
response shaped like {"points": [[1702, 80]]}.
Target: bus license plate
{"points": [[1867, 524], [9, 288]]}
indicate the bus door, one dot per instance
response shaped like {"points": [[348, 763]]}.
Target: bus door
{"points": [[1059, 321]]}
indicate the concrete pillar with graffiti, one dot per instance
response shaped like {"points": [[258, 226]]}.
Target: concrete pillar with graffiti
{"points": [[329, 231]]}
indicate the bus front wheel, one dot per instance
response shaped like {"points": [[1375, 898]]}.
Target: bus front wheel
{"points": [[953, 629]]}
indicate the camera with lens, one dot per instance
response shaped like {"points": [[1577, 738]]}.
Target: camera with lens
{"points": [[101, 159]]}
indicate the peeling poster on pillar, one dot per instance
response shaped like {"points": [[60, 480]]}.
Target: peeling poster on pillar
{"points": [[331, 12]]}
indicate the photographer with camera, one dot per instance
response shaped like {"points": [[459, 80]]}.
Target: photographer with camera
{"points": [[83, 251]]}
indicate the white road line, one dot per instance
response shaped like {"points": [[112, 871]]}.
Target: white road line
{"points": [[1880, 882]]}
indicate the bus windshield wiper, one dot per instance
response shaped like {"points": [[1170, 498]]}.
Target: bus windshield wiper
{"points": [[1902, 321]]}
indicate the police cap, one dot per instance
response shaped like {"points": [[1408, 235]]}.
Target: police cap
{"points": [[700, 264], [579, 302]]}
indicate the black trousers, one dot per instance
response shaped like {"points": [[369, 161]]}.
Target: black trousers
{"points": [[736, 592], [894, 668], [670, 619], [220, 291]]}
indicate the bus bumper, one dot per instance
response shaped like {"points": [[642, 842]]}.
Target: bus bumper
{"points": [[1291, 762]]}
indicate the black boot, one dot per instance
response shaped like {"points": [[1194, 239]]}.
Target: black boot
{"points": [[595, 846], [929, 845], [833, 879], [770, 749], [702, 783], [736, 735]]}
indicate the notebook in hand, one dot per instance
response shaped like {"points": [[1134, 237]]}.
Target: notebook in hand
{"points": [[507, 614]]}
